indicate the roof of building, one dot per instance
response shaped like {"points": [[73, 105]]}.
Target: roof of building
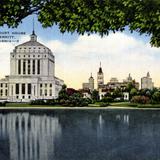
{"points": [[91, 77], [32, 42], [100, 70]]}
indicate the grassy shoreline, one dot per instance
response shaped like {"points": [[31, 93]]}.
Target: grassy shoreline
{"points": [[117, 105]]}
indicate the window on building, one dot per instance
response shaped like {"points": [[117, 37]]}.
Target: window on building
{"points": [[6, 85], [50, 85], [45, 92], [12, 90], [29, 97], [17, 88], [40, 92], [19, 66], [1, 85], [41, 85], [50, 92], [46, 85], [1, 92], [29, 88], [29, 67], [6, 92], [23, 88], [17, 97], [33, 67], [34, 90], [24, 67], [38, 66]]}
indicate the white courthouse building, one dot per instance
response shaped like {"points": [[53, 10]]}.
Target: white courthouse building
{"points": [[32, 73]]}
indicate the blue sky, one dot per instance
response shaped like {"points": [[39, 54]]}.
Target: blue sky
{"points": [[77, 56]]}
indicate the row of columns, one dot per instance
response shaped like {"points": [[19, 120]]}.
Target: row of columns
{"points": [[27, 65], [12, 90]]}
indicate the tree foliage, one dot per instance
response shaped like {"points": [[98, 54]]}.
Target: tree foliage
{"points": [[140, 99], [88, 16], [95, 95]]}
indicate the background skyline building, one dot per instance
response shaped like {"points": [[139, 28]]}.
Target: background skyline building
{"points": [[89, 85], [146, 82], [100, 77]]}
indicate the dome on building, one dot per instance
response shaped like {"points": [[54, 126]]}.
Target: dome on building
{"points": [[91, 77], [32, 44]]}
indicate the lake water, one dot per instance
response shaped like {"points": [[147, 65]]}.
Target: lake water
{"points": [[80, 135]]}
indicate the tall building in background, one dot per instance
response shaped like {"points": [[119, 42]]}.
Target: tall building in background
{"points": [[89, 85], [128, 79], [146, 82], [100, 77], [32, 73]]}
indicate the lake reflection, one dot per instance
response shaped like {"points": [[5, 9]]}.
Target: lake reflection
{"points": [[29, 137], [80, 135]]}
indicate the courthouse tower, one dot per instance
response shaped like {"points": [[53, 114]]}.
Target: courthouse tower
{"points": [[32, 73]]}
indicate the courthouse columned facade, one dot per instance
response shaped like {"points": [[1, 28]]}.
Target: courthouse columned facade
{"points": [[32, 73]]}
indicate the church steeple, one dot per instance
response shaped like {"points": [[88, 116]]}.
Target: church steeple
{"points": [[33, 35], [100, 77], [91, 75], [100, 69]]}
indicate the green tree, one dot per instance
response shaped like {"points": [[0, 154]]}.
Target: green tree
{"points": [[88, 16], [133, 92], [95, 95], [76, 99], [117, 93], [62, 96], [156, 97], [130, 86]]}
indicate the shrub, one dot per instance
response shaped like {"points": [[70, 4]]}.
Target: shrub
{"points": [[156, 97], [43, 102], [88, 100], [140, 99], [2, 103], [104, 104], [107, 99]]}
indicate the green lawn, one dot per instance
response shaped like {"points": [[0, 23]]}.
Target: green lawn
{"points": [[97, 104], [128, 104], [28, 105]]}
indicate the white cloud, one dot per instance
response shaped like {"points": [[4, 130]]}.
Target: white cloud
{"points": [[119, 53]]}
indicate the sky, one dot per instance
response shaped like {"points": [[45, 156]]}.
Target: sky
{"points": [[78, 56]]}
